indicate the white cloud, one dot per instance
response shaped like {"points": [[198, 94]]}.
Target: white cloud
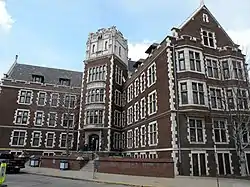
{"points": [[137, 50], [241, 37], [6, 20]]}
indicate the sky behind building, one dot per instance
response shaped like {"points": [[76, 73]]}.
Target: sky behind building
{"points": [[54, 33]]}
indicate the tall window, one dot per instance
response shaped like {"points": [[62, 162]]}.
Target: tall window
{"points": [[143, 136], [130, 139], [22, 117], [63, 140], [216, 98], [196, 131], [184, 93], [123, 119], [198, 93], [224, 163], [117, 118], [52, 117], [230, 99], [137, 111], [195, 61], [106, 45], [116, 140], [50, 138], [152, 103], [118, 98], [54, 99], [124, 98], [220, 131], [143, 82], [136, 137], [94, 117], [25, 97], [36, 138], [199, 166], [242, 99], [118, 75], [137, 87], [225, 68], [93, 48], [208, 39], [181, 59], [123, 142], [238, 71], [143, 108], [151, 74], [212, 68], [39, 118], [130, 92], [152, 133], [41, 98], [70, 101], [18, 138], [130, 115], [120, 51]]}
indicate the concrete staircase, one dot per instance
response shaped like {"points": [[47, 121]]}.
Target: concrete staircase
{"points": [[89, 166]]}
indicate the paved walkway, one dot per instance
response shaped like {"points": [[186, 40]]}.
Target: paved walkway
{"points": [[138, 181]]}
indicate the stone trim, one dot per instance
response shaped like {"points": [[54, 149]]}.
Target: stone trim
{"points": [[54, 139], [157, 138], [145, 135], [12, 136], [155, 77], [73, 123], [48, 119], [42, 122], [32, 139], [143, 82], [23, 110], [143, 113], [38, 97], [156, 103], [58, 99], [191, 161], [60, 140], [111, 77], [136, 137], [19, 95], [203, 130]]}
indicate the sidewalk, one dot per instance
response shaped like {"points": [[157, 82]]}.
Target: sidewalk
{"points": [[136, 180]]}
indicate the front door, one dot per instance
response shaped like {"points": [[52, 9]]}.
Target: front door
{"points": [[94, 142]]}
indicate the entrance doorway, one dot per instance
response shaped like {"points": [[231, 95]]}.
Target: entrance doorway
{"points": [[93, 142]]}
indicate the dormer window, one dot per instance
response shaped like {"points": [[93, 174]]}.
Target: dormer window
{"points": [[64, 82], [205, 18], [208, 39], [38, 78]]}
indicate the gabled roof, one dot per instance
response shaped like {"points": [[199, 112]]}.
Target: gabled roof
{"points": [[196, 12], [51, 75]]}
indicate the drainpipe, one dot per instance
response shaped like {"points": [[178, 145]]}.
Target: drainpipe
{"points": [[177, 110]]}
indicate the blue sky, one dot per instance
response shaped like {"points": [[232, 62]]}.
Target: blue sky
{"points": [[54, 32]]}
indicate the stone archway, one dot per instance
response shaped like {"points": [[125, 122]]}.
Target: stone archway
{"points": [[93, 142]]}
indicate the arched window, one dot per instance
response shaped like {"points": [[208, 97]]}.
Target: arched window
{"points": [[106, 45], [93, 48]]}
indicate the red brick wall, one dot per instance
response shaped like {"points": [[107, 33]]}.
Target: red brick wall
{"points": [[138, 167], [47, 162]]}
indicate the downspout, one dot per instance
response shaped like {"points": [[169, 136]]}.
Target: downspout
{"points": [[177, 110]]}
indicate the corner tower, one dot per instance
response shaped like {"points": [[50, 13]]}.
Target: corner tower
{"points": [[105, 69]]}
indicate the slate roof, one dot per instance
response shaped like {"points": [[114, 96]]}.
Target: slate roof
{"points": [[51, 75], [131, 67]]}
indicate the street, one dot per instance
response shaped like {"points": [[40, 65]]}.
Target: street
{"points": [[27, 180]]}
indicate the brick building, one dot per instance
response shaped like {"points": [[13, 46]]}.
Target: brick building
{"points": [[35, 104], [173, 104]]}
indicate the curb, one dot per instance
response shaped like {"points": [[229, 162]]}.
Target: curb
{"points": [[90, 180]]}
